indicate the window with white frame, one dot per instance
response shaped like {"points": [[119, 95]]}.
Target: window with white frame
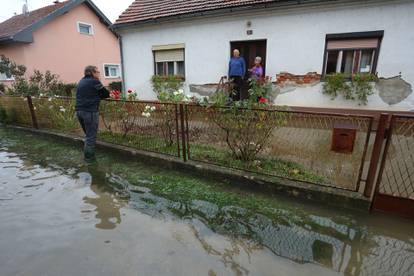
{"points": [[112, 71], [169, 62], [351, 55], [85, 28], [6, 77]]}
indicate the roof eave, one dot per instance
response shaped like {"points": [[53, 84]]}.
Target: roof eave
{"points": [[214, 12], [26, 35], [247, 8]]}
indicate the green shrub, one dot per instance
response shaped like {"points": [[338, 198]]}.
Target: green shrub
{"points": [[243, 125], [168, 88], [358, 88], [337, 84], [361, 84], [116, 85]]}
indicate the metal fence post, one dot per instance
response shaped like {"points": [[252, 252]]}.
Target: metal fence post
{"points": [[183, 136], [32, 112], [376, 154]]}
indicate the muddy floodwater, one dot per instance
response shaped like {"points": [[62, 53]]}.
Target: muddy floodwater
{"points": [[59, 216]]}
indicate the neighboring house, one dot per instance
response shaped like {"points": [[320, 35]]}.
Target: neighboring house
{"points": [[63, 38], [195, 39]]}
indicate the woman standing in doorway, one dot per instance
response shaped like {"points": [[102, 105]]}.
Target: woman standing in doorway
{"points": [[257, 70], [237, 70]]}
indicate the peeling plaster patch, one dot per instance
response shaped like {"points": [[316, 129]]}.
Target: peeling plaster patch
{"points": [[393, 90], [203, 89]]}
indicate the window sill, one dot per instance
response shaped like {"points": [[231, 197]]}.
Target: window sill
{"points": [[118, 77]]}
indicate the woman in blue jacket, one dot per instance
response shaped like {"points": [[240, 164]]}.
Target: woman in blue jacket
{"points": [[237, 70]]}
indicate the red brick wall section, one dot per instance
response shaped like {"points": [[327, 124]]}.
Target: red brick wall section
{"points": [[309, 78]]}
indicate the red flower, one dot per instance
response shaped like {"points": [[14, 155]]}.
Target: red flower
{"points": [[263, 100], [115, 94], [129, 90]]}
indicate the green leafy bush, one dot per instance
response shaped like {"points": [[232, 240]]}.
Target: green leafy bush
{"points": [[56, 113], [168, 88], [116, 85], [337, 84], [246, 125], [10, 68], [362, 87], [358, 88]]}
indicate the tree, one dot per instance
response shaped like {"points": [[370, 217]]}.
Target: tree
{"points": [[10, 68]]}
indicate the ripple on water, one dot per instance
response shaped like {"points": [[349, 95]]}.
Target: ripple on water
{"points": [[52, 206]]}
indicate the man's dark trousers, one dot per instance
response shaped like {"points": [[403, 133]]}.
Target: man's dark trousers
{"points": [[89, 122]]}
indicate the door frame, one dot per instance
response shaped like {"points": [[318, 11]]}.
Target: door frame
{"points": [[264, 64]]}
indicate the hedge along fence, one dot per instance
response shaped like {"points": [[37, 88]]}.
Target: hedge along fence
{"points": [[287, 144]]}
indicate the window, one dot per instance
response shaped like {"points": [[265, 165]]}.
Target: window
{"points": [[111, 71], [354, 53], [85, 28], [6, 77], [169, 62]]}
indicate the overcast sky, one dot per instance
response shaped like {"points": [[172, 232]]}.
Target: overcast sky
{"points": [[111, 8]]}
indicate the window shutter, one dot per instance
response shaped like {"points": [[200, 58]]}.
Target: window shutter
{"points": [[367, 43], [169, 55]]}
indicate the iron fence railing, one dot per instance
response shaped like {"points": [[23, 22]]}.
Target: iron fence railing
{"points": [[293, 145], [288, 144], [17, 110], [150, 126], [397, 172]]}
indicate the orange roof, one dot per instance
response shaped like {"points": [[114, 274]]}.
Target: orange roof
{"points": [[146, 10]]}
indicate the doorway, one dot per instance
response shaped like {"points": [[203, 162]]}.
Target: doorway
{"points": [[249, 50]]}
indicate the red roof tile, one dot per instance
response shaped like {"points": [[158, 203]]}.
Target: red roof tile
{"points": [[19, 22], [143, 10]]}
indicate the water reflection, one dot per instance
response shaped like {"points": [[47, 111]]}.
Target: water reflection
{"points": [[347, 244], [348, 249], [107, 205]]}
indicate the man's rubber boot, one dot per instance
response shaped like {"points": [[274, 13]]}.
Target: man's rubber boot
{"points": [[89, 155]]}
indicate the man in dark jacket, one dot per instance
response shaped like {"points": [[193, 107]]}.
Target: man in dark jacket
{"points": [[88, 96]]}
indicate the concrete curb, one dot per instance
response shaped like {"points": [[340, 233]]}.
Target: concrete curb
{"points": [[267, 184]]}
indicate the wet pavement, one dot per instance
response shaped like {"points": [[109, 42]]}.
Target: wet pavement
{"points": [[59, 216]]}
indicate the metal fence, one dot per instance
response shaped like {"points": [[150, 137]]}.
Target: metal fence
{"points": [[293, 145], [288, 144], [17, 110], [397, 177], [150, 126]]}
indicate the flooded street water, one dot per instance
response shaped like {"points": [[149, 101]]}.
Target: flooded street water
{"points": [[59, 216]]}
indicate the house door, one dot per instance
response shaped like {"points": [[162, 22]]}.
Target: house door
{"points": [[249, 50]]}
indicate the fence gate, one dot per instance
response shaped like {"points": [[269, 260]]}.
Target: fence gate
{"points": [[395, 185]]}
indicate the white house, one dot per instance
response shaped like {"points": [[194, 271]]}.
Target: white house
{"points": [[195, 38]]}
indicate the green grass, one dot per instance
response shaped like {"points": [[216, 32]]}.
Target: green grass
{"points": [[271, 166], [219, 156], [143, 142]]}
